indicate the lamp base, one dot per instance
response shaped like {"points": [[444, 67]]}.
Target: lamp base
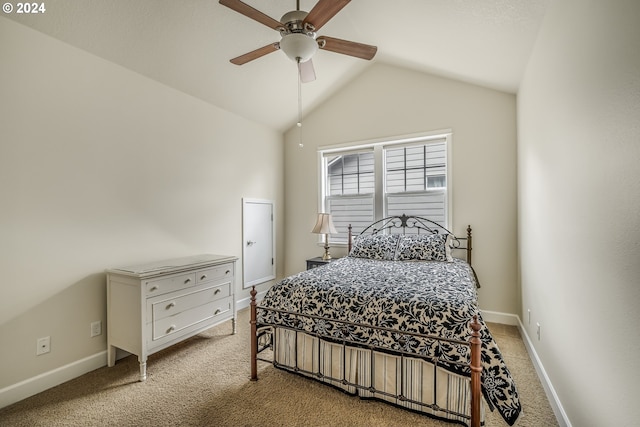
{"points": [[327, 255]]}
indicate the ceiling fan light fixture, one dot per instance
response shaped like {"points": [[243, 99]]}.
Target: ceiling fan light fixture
{"points": [[299, 46], [298, 31]]}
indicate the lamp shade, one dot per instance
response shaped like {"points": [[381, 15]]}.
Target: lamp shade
{"points": [[324, 225]]}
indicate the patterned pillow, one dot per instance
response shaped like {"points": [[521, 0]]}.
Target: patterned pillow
{"points": [[375, 246], [425, 247]]}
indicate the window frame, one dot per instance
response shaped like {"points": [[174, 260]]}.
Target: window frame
{"points": [[380, 208]]}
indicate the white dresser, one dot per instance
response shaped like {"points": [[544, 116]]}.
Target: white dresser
{"points": [[153, 306]]}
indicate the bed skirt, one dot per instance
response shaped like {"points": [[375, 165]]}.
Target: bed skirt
{"points": [[405, 381]]}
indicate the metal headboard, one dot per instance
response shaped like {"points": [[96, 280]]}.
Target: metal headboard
{"points": [[409, 223]]}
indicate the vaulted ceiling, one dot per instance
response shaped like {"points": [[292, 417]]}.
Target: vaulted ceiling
{"points": [[187, 44]]}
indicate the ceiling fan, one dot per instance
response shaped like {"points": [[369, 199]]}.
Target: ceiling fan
{"points": [[298, 31]]}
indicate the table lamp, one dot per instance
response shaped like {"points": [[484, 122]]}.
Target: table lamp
{"points": [[324, 225]]}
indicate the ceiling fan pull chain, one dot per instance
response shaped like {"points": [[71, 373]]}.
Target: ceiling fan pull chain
{"points": [[299, 124]]}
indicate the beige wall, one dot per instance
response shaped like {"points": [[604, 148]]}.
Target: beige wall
{"points": [[386, 101], [101, 167], [579, 204]]}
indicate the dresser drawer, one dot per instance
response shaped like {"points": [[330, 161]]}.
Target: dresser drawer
{"points": [[169, 284], [167, 326], [170, 305], [157, 304], [215, 273]]}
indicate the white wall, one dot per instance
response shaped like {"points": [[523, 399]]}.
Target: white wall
{"points": [[387, 101], [101, 167], [579, 205]]}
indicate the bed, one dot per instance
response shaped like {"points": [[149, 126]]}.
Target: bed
{"points": [[396, 320]]}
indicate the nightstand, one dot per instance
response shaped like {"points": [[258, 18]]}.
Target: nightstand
{"points": [[318, 262]]}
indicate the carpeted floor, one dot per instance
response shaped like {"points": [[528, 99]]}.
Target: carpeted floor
{"points": [[205, 382]]}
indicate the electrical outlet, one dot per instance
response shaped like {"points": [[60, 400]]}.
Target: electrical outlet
{"points": [[538, 325], [96, 328], [43, 345]]}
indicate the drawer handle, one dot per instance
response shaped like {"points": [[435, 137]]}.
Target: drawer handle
{"points": [[171, 305], [153, 288], [227, 272], [217, 312], [187, 281], [204, 276], [217, 291], [171, 328]]}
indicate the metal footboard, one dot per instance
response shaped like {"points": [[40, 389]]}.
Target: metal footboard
{"points": [[264, 336]]}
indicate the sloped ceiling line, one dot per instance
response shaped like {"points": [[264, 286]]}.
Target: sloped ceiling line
{"points": [[187, 45]]}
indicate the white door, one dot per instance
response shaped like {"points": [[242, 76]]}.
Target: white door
{"points": [[258, 242]]}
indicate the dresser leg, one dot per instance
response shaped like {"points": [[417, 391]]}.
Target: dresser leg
{"points": [[111, 356], [233, 326], [143, 370]]}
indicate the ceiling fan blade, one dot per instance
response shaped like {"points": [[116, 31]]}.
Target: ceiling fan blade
{"points": [[307, 72], [323, 11], [345, 47], [255, 54], [252, 13]]}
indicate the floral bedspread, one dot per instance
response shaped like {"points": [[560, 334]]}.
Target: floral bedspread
{"points": [[426, 297]]}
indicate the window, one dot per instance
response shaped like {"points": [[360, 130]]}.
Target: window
{"points": [[391, 177], [416, 181], [350, 190]]}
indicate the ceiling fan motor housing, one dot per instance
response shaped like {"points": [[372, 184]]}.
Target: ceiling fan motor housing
{"points": [[298, 42], [293, 21]]}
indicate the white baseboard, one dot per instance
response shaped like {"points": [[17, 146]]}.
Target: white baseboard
{"points": [[31, 386], [16, 392], [503, 318], [552, 396]]}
